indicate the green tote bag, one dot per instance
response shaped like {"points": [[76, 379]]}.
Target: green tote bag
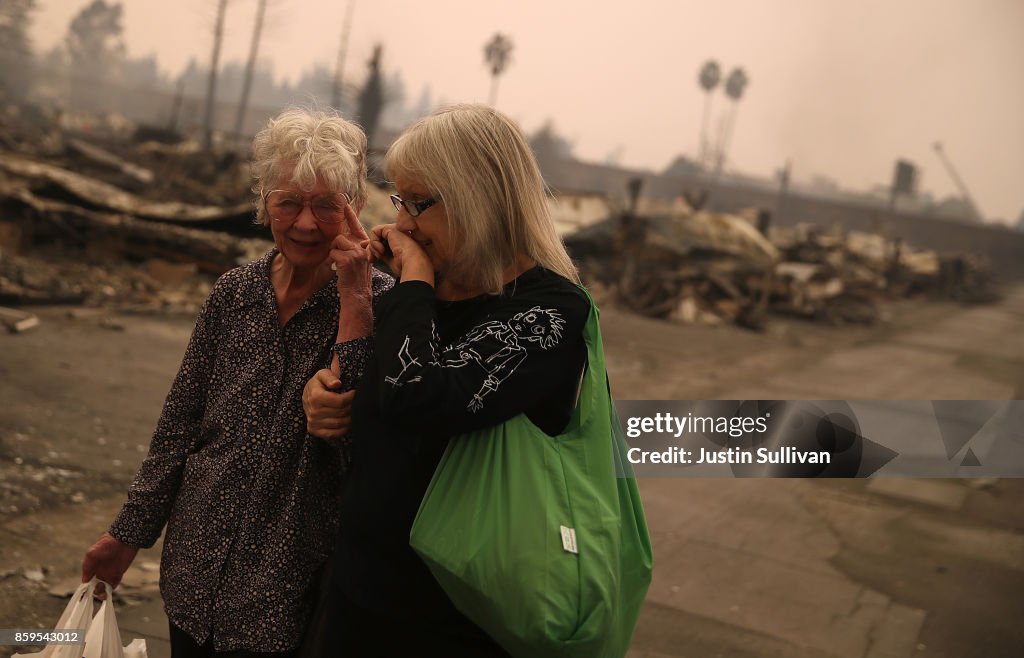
{"points": [[542, 541]]}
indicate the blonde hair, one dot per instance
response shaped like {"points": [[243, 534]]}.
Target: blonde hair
{"points": [[310, 144], [479, 164]]}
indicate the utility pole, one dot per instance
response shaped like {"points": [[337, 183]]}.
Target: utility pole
{"points": [[339, 68]]}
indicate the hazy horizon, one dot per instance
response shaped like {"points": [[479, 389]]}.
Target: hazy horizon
{"points": [[841, 89]]}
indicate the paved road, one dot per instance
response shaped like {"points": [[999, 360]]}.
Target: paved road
{"points": [[871, 569], [802, 568]]}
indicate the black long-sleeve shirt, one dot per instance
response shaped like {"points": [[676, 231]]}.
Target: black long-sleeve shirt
{"points": [[440, 369]]}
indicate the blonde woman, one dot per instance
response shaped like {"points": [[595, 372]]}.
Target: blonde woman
{"points": [[485, 324], [248, 499]]}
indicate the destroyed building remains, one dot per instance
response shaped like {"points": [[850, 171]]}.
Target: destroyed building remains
{"points": [[141, 220]]}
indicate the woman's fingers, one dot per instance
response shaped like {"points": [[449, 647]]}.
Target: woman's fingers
{"points": [[328, 414], [107, 560], [382, 250], [349, 258], [345, 242], [378, 250], [407, 258], [396, 240], [316, 389], [353, 227], [323, 381], [400, 251], [330, 424], [329, 428], [346, 256], [378, 232], [329, 435]]}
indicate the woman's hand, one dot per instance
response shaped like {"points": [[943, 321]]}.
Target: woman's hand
{"points": [[328, 413], [403, 255], [107, 559], [351, 258]]}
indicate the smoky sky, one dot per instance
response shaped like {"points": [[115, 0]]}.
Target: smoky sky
{"points": [[842, 89]]}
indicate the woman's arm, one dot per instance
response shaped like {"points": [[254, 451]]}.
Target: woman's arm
{"points": [[327, 396], [155, 487], [357, 284]]}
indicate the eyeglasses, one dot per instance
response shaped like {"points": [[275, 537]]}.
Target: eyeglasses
{"points": [[285, 206], [414, 208]]}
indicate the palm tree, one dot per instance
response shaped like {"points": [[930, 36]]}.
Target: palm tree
{"points": [[710, 75], [735, 84], [497, 54]]}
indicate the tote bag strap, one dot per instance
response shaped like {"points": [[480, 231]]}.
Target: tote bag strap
{"points": [[594, 393]]}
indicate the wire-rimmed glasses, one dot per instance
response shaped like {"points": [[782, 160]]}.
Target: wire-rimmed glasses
{"points": [[286, 206]]}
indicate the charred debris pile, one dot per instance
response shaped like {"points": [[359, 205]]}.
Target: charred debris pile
{"points": [[715, 268], [100, 212], [97, 211]]}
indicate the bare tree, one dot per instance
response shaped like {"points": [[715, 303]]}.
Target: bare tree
{"points": [[371, 98], [211, 81], [95, 47], [550, 147], [710, 76], [497, 55], [179, 98], [250, 66], [339, 69], [16, 55]]}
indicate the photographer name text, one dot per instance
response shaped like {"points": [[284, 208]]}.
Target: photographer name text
{"points": [[665, 425], [783, 455]]}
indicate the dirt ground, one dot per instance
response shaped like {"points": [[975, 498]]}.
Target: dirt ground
{"points": [[840, 568]]}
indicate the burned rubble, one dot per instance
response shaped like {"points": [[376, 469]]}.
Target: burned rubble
{"points": [[714, 268], [703, 267], [135, 218], [139, 221]]}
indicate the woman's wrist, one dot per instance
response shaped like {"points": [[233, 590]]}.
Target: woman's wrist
{"points": [[355, 319], [418, 269]]}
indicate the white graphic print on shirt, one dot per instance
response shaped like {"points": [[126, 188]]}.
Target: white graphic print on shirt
{"points": [[540, 326], [408, 361]]}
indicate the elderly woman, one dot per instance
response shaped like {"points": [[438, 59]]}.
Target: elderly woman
{"points": [[486, 323], [249, 500]]}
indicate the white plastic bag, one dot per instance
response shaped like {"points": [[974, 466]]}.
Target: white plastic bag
{"points": [[103, 639], [76, 616]]}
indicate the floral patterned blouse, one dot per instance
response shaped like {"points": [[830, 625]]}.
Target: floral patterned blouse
{"points": [[250, 501]]}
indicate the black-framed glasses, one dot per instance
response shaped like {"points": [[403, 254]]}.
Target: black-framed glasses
{"points": [[286, 206], [414, 208]]}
